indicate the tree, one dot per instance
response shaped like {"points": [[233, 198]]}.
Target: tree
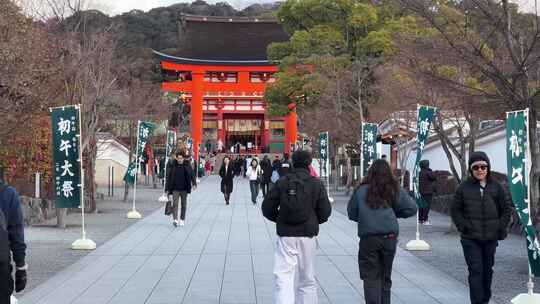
{"points": [[500, 45]]}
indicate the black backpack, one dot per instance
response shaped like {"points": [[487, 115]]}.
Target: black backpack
{"points": [[294, 204], [5, 256]]}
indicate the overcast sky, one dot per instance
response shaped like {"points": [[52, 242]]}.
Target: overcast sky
{"points": [[114, 7]]}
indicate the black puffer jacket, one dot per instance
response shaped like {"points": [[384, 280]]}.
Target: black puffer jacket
{"points": [[317, 202], [481, 216], [426, 178]]}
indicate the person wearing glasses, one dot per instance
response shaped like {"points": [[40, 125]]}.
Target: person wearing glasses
{"points": [[481, 211]]}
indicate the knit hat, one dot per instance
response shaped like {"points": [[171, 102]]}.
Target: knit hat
{"points": [[479, 156], [301, 159]]}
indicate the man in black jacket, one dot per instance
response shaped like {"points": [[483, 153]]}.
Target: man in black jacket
{"points": [[298, 203], [427, 189], [180, 179], [12, 245], [481, 212]]}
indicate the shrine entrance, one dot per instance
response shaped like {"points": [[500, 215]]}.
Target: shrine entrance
{"points": [[244, 135]]}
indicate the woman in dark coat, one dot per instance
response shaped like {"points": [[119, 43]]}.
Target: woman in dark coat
{"points": [[227, 174], [266, 167]]}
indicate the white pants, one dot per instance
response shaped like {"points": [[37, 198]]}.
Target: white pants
{"points": [[293, 253]]}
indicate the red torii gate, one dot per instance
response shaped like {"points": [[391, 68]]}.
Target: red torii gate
{"points": [[198, 89]]}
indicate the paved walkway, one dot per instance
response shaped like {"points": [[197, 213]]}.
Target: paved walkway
{"points": [[224, 254]]}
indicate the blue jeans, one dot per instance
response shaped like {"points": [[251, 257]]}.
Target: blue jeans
{"points": [[254, 187]]}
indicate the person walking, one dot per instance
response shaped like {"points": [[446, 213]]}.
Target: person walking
{"points": [[284, 166], [481, 211], [266, 167], [298, 204], [254, 174], [12, 245], [427, 190], [227, 174], [180, 180], [375, 205]]}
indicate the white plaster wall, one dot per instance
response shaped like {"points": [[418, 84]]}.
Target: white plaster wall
{"points": [[493, 145], [111, 151]]}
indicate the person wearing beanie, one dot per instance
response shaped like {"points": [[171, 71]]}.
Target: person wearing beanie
{"points": [[298, 204], [481, 211]]}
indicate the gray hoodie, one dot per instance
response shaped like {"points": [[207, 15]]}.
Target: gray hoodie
{"points": [[382, 220]]}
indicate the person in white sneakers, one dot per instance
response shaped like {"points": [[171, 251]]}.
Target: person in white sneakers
{"points": [[297, 203], [179, 183]]}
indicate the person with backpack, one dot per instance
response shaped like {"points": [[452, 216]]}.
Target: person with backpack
{"points": [[285, 166], [180, 180], [481, 211], [12, 245], [376, 205], [298, 204]]}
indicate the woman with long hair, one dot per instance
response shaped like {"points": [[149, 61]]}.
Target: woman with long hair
{"points": [[227, 174], [254, 173], [375, 205]]}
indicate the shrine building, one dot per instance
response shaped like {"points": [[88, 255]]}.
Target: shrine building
{"points": [[220, 69]]}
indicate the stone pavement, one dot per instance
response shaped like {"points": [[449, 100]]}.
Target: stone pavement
{"points": [[224, 254]]}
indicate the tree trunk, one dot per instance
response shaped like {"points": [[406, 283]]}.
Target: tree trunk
{"points": [[535, 162], [444, 144]]}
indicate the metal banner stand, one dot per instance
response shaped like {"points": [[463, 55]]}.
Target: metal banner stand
{"points": [[83, 243], [134, 214]]}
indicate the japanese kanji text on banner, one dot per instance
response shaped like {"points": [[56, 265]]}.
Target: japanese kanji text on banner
{"points": [[519, 167], [323, 152], [369, 146], [144, 131], [425, 118], [67, 167]]}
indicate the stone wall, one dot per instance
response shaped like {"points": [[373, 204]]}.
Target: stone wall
{"points": [[37, 210]]}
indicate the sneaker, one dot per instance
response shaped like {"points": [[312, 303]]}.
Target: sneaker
{"points": [[427, 223], [175, 223], [182, 223]]}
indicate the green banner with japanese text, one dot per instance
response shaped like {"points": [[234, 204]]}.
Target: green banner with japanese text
{"points": [[144, 131], [519, 167], [324, 154], [426, 115], [369, 146], [66, 155]]}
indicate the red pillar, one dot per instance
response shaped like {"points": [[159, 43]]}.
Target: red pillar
{"points": [[197, 96], [291, 128], [221, 125]]}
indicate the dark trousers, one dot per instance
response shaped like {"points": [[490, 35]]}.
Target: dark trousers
{"points": [[183, 201], [480, 258], [6, 283], [375, 258], [265, 188], [254, 187], [423, 213]]}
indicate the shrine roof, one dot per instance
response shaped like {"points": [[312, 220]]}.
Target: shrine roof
{"points": [[208, 40]]}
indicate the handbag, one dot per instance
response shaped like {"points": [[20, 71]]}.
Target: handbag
{"points": [[168, 208]]}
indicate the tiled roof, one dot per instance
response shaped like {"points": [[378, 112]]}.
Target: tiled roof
{"points": [[222, 39]]}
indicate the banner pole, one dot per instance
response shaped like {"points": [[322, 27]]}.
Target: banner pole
{"points": [[361, 151], [417, 244], [134, 214], [329, 166], [163, 198], [530, 297], [84, 243]]}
